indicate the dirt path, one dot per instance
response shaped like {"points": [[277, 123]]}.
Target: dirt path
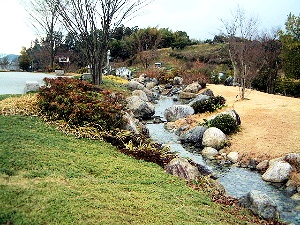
{"points": [[270, 123]]}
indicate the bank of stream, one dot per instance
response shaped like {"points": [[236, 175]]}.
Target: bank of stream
{"points": [[237, 181]]}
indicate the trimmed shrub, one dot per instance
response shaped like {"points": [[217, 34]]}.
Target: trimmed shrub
{"points": [[209, 105], [80, 103], [224, 122]]}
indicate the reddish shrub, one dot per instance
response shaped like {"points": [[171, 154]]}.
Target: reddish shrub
{"points": [[80, 103]]}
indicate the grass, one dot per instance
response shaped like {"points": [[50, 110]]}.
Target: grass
{"points": [[49, 178]]}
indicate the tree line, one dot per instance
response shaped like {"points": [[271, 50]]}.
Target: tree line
{"points": [[125, 44], [84, 30]]}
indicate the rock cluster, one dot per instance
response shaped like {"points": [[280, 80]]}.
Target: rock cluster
{"points": [[211, 140]]}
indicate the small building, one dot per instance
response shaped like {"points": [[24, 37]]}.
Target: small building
{"points": [[158, 64]]}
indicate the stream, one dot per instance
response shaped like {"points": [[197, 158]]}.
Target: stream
{"points": [[237, 181]]}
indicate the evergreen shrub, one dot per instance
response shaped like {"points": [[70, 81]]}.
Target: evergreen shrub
{"points": [[209, 105], [224, 122]]}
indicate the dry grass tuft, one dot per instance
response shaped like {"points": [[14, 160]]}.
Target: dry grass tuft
{"points": [[25, 105], [88, 132]]}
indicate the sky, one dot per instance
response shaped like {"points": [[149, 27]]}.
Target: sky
{"points": [[201, 19]]}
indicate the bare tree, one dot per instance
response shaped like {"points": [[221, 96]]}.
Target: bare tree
{"points": [[243, 50], [44, 18], [271, 47], [147, 41], [92, 21]]}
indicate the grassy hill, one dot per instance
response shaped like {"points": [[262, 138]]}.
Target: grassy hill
{"points": [[49, 178]]}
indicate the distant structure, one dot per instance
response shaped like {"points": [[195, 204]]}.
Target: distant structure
{"points": [[158, 64], [124, 72]]}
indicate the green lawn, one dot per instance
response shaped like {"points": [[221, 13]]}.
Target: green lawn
{"points": [[49, 178]]}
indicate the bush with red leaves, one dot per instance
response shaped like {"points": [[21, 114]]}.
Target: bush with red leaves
{"points": [[80, 103]]}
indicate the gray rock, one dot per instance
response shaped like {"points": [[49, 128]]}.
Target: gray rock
{"points": [[209, 152], [214, 137], [193, 135], [182, 168], [176, 112], [260, 204], [141, 94], [134, 85], [150, 85], [133, 124], [293, 159], [140, 108], [233, 157], [177, 80], [194, 87], [31, 86], [186, 95], [199, 98], [208, 92], [263, 166], [278, 172], [204, 171]]}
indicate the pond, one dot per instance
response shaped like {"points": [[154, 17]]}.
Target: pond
{"points": [[14, 82], [237, 181]]}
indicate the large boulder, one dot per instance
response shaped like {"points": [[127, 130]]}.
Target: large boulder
{"points": [[187, 95], [194, 87], [278, 172], [182, 168], [176, 112], [140, 108], [141, 94], [134, 125], [193, 135], [134, 85], [199, 98], [208, 92], [260, 204], [293, 159], [214, 137]]}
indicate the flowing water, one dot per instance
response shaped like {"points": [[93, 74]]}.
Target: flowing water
{"points": [[237, 181], [15, 82]]}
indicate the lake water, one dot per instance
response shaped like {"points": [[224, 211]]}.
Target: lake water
{"points": [[15, 82]]}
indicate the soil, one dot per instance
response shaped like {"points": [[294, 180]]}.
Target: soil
{"points": [[270, 123]]}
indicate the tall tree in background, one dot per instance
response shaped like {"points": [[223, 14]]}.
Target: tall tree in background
{"points": [[268, 74], [147, 41], [92, 22], [290, 39], [24, 60], [241, 32], [44, 18]]}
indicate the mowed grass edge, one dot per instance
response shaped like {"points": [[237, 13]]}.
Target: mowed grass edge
{"points": [[49, 178]]}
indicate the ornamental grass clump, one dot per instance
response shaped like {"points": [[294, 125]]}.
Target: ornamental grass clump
{"points": [[81, 104], [26, 105]]}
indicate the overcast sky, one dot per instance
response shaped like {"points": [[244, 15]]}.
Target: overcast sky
{"points": [[199, 18]]}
